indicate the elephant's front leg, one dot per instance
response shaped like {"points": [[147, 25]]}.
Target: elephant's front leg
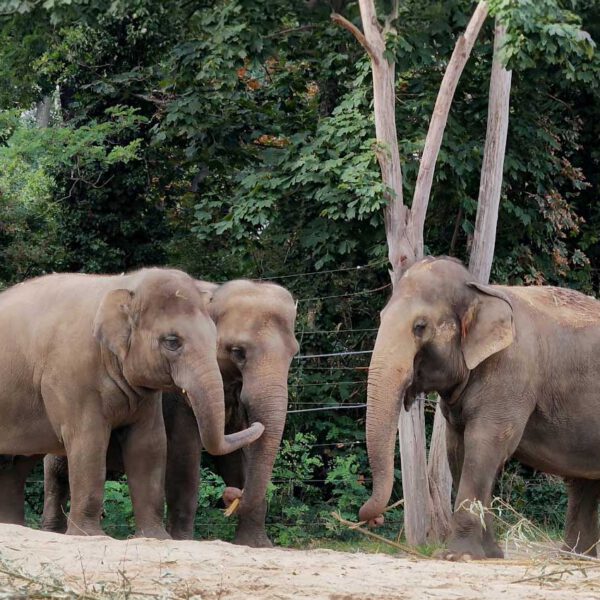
{"points": [[456, 453], [144, 448], [86, 447], [250, 530], [581, 530], [485, 449], [183, 469], [56, 493], [13, 474]]}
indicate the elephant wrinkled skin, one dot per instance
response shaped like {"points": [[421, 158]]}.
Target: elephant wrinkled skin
{"points": [[256, 343], [517, 371], [84, 356]]}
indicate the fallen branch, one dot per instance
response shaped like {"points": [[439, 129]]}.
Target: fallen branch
{"points": [[358, 527]]}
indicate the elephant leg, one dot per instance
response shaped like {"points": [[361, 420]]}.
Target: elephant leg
{"points": [[455, 448], [485, 451], [456, 453], [12, 483], [250, 530], [144, 448], [183, 471], [581, 530], [86, 453], [56, 493]]}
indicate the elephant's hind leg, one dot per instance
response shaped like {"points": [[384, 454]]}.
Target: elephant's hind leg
{"points": [[184, 451], [13, 474], [581, 530], [56, 493]]}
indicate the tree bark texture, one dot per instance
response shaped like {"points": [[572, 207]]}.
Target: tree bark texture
{"points": [[42, 112], [440, 481], [415, 484], [490, 187]]}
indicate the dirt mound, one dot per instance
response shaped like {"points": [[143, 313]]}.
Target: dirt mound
{"points": [[35, 564]]}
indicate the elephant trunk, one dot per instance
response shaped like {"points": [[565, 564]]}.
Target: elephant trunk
{"points": [[204, 387], [266, 401], [390, 374]]}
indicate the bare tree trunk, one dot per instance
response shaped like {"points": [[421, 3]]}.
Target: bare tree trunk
{"points": [[484, 238], [42, 112], [384, 101], [440, 480], [417, 505]]}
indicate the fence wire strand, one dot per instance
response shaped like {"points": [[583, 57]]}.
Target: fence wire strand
{"points": [[325, 272]]}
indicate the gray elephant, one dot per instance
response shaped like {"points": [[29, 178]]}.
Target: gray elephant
{"points": [[256, 343], [84, 356], [517, 371]]}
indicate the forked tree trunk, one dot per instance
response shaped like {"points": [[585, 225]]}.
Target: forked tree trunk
{"points": [[404, 232]]}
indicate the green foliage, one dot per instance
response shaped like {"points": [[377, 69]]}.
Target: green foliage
{"points": [[545, 31], [538, 497], [118, 520], [210, 521]]}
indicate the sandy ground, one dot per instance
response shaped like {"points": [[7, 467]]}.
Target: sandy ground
{"points": [[34, 564]]}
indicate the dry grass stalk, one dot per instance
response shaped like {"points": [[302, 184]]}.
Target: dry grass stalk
{"points": [[359, 527]]}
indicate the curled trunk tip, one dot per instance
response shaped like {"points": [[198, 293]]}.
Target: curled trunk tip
{"points": [[235, 441]]}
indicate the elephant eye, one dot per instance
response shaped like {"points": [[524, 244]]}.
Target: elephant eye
{"points": [[419, 327], [172, 342], [238, 354]]}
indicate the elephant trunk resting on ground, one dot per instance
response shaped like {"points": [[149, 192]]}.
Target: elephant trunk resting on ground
{"points": [[255, 345], [517, 370], [84, 356]]}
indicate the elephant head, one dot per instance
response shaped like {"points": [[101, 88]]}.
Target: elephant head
{"points": [[437, 327], [157, 334], [255, 345]]}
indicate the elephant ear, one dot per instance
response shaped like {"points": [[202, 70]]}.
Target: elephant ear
{"points": [[487, 325], [112, 325], [207, 289]]}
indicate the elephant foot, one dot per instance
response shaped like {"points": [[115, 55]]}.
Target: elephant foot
{"points": [[181, 534], [157, 533], [54, 527], [493, 550], [462, 551], [457, 556], [253, 539], [86, 530]]}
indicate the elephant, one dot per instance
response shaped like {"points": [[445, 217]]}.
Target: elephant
{"points": [[85, 357], [516, 368], [255, 331]]}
